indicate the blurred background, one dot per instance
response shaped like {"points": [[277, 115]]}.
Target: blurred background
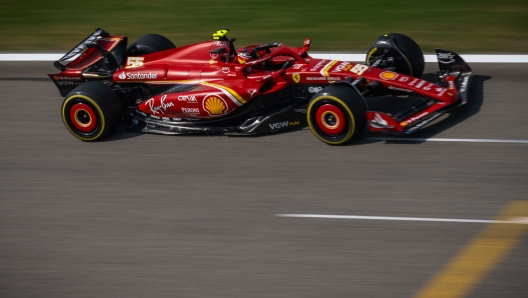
{"points": [[471, 26]]}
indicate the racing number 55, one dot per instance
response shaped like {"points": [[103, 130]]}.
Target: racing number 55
{"points": [[134, 62], [359, 69]]}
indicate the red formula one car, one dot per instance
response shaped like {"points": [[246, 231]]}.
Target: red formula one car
{"points": [[210, 87]]}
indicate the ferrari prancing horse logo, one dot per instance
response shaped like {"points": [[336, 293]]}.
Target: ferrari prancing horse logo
{"points": [[296, 77]]}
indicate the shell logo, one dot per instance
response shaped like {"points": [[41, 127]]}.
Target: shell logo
{"points": [[388, 75], [214, 105]]}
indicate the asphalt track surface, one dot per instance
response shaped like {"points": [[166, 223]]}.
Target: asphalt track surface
{"points": [[142, 215]]}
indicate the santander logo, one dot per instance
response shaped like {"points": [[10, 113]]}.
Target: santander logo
{"points": [[137, 76]]}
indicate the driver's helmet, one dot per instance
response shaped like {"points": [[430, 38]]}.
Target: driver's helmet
{"points": [[249, 54]]}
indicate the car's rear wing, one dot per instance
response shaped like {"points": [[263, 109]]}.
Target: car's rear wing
{"points": [[81, 47]]}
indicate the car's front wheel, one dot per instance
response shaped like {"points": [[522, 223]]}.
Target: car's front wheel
{"points": [[403, 52], [337, 114]]}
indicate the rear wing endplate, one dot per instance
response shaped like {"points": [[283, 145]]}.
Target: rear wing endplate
{"points": [[90, 40]]}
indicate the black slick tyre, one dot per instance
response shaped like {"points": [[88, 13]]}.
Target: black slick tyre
{"points": [[91, 111], [407, 56], [149, 43], [337, 114]]}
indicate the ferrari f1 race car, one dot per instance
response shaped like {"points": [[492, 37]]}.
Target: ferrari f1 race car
{"points": [[211, 87]]}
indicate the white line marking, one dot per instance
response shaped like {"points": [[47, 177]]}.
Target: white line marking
{"points": [[432, 58], [517, 220], [403, 139], [331, 56], [30, 57]]}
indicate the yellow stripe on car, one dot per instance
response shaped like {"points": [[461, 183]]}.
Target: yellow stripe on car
{"points": [[237, 99], [324, 71]]}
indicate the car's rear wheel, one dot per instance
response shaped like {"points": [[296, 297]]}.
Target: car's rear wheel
{"points": [[337, 115], [406, 56], [91, 111], [149, 43]]}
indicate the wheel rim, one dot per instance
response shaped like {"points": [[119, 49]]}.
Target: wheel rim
{"points": [[83, 118], [330, 119]]}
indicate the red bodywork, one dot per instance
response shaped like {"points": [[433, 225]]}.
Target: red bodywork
{"points": [[223, 84]]}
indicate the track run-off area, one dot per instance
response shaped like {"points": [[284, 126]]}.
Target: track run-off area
{"points": [[441, 213]]}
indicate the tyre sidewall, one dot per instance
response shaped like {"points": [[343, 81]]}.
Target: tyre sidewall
{"points": [[411, 53], [349, 102], [104, 103], [69, 102]]}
